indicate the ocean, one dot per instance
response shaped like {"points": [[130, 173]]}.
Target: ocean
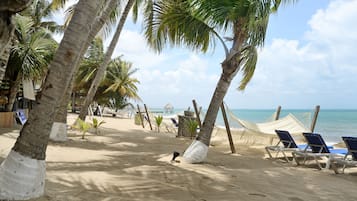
{"points": [[332, 124]]}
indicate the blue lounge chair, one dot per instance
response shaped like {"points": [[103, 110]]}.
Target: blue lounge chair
{"points": [[350, 158], [286, 143], [316, 149]]}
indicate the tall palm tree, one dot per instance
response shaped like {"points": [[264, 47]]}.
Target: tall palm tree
{"points": [[196, 23], [59, 128], [28, 155], [107, 58], [8, 8], [31, 55]]}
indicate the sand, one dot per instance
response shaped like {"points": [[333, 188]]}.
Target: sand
{"points": [[126, 162]]}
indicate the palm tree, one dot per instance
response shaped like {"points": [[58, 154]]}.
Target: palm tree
{"points": [[196, 23], [107, 58], [28, 155], [40, 11], [59, 130], [119, 79], [117, 86], [8, 9], [31, 55]]}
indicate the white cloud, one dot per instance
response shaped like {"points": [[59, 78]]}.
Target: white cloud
{"points": [[134, 48], [187, 79], [321, 70]]}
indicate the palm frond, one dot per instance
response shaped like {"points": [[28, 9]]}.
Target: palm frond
{"points": [[174, 22], [249, 57]]}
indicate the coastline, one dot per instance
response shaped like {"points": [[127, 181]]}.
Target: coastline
{"points": [[332, 124], [128, 162]]}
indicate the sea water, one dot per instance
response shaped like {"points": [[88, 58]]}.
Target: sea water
{"points": [[331, 124]]}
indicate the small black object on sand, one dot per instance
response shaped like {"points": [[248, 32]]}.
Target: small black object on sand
{"points": [[175, 155]]}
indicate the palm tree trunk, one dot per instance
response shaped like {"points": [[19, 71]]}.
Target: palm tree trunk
{"points": [[211, 115], [59, 127], [197, 151], [13, 92], [101, 70], [22, 173]]}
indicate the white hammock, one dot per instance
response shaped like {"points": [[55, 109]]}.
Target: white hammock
{"points": [[289, 123]]}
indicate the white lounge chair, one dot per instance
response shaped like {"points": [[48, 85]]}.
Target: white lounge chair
{"points": [[316, 149], [286, 143], [350, 159]]}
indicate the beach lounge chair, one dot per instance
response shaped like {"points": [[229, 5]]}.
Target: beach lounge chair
{"points": [[286, 143], [173, 120], [316, 149], [171, 125], [350, 158]]}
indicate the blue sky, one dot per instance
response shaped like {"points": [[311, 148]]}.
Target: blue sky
{"points": [[309, 59]]}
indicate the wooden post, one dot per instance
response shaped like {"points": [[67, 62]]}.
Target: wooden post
{"points": [[197, 113], [147, 114], [277, 112], [314, 120], [228, 129], [141, 117]]}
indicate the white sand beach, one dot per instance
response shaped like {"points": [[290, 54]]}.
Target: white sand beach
{"points": [[129, 163]]}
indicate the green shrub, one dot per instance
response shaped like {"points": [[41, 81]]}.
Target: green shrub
{"points": [[192, 126], [96, 125], [82, 126], [158, 120]]}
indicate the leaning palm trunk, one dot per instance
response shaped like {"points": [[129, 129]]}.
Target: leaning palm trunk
{"points": [[7, 9], [197, 152], [101, 70], [22, 173], [59, 127], [247, 19]]}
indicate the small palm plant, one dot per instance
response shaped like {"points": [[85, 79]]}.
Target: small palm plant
{"points": [[95, 124], [82, 126], [158, 120], [192, 125]]}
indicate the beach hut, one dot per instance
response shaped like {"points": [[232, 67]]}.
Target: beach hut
{"points": [[168, 108]]}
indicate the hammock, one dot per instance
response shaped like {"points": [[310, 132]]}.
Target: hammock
{"points": [[289, 123]]}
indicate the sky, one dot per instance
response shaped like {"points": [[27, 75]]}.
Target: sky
{"points": [[308, 59]]}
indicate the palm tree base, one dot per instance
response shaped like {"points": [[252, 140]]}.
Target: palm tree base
{"points": [[58, 132], [196, 152], [21, 177]]}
